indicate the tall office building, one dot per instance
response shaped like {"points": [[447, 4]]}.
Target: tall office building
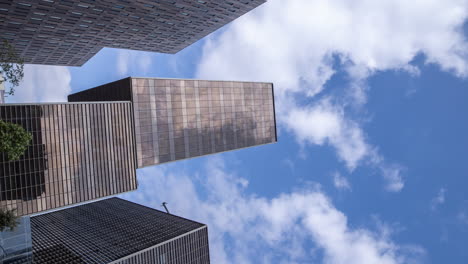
{"points": [[178, 119], [70, 32], [79, 152], [117, 231]]}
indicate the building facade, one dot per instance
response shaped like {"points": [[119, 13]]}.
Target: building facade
{"points": [[178, 119], [79, 152], [16, 245], [2, 90], [117, 231], [70, 32]]}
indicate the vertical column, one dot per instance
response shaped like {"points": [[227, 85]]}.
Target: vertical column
{"points": [[184, 116], [90, 154], [271, 104], [108, 175], [154, 121], [211, 115], [254, 125], [233, 115], [169, 119], [136, 113], [61, 154], [44, 131], [199, 124], [72, 153], [243, 119], [50, 152], [221, 88]]}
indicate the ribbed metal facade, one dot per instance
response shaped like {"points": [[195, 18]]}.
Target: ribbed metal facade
{"points": [[79, 152], [117, 231], [70, 32], [179, 119]]}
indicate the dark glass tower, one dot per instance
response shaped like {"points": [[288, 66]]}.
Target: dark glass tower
{"points": [[70, 32], [179, 119], [117, 231], [79, 152]]}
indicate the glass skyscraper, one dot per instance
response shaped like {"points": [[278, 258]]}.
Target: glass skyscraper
{"points": [[91, 147], [117, 231], [178, 119], [70, 32]]}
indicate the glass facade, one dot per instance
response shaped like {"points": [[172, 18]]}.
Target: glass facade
{"points": [[16, 245], [70, 32], [190, 248], [178, 119], [117, 231], [79, 152]]}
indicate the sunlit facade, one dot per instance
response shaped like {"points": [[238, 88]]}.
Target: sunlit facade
{"points": [[177, 119]]}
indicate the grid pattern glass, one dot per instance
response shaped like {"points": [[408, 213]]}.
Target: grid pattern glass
{"points": [[117, 231], [188, 249], [70, 32], [179, 119], [79, 152]]}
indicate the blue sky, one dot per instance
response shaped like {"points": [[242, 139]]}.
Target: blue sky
{"points": [[371, 163]]}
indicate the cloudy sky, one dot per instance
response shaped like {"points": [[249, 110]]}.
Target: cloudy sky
{"points": [[371, 102]]}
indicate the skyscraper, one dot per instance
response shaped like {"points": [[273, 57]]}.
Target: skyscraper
{"points": [[84, 151], [117, 231], [177, 119], [79, 152], [70, 32]]}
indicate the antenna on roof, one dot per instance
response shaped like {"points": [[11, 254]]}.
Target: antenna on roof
{"points": [[165, 207]]}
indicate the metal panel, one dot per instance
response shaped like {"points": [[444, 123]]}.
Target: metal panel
{"points": [[77, 153]]}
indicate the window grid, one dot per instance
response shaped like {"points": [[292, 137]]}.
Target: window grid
{"points": [[107, 231], [79, 152], [192, 118]]}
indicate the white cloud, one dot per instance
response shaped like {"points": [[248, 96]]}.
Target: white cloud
{"points": [[340, 182], [293, 41], [439, 199], [393, 176], [324, 123], [42, 84], [296, 227], [298, 44], [131, 58]]}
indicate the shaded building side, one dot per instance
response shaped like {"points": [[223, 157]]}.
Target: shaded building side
{"points": [[16, 245], [117, 231], [178, 119], [79, 152], [71, 32]]}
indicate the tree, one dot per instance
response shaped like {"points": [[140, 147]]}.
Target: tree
{"points": [[11, 66], [8, 219], [14, 140]]}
